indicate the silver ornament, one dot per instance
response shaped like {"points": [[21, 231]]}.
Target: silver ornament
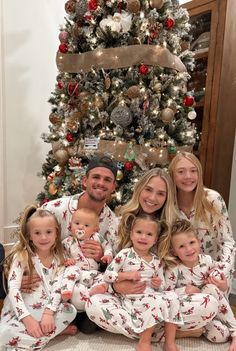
{"points": [[192, 115], [81, 7], [121, 116]]}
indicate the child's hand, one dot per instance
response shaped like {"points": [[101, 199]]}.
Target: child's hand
{"points": [[47, 321], [69, 262], [32, 326], [156, 282], [106, 259], [221, 283], [191, 289], [134, 276]]}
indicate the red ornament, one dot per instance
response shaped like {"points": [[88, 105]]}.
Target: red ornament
{"points": [[60, 84], [92, 5], [128, 166], [169, 23], [188, 100], [88, 18], [143, 69], [69, 137], [73, 89], [63, 48]]}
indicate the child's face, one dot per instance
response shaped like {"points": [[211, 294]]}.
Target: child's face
{"points": [[187, 247], [185, 175], [85, 223], [143, 235], [43, 233]]}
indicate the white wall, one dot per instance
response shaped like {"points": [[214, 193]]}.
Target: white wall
{"points": [[29, 42]]}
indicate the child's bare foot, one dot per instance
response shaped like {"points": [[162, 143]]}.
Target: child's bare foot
{"points": [[170, 347], [66, 295], [191, 333], [143, 346], [70, 330], [98, 289]]}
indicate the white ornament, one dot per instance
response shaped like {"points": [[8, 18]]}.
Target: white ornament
{"points": [[119, 22], [192, 115]]}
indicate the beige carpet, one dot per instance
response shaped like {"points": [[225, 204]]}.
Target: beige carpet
{"points": [[103, 341]]}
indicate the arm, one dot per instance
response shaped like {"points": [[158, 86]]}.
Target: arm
{"points": [[171, 281], [107, 249]]}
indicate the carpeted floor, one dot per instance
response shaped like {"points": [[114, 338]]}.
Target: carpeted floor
{"points": [[103, 341]]}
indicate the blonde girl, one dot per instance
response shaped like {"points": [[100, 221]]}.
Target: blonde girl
{"points": [[205, 209], [138, 261], [30, 321]]}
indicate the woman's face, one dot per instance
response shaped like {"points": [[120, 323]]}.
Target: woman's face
{"points": [[185, 175], [153, 195]]}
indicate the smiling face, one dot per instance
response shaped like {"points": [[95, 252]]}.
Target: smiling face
{"points": [[144, 234], [185, 175], [153, 195], [186, 247], [99, 184], [43, 233]]}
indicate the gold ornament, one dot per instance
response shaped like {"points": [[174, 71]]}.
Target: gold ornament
{"points": [[77, 116], [133, 6], [83, 107], [99, 102], [72, 124], [157, 87], [167, 115], [119, 175], [107, 83], [76, 30], [61, 156], [54, 118], [52, 189], [84, 94], [185, 45], [133, 92], [156, 4]]}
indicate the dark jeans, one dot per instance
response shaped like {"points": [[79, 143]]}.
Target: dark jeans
{"points": [[84, 324]]}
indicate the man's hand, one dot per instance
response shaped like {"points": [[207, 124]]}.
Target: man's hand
{"points": [[47, 321], [127, 287], [191, 289], [32, 326], [92, 249], [70, 262], [29, 286]]}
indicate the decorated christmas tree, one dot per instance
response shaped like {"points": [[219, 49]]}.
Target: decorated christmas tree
{"points": [[121, 91]]}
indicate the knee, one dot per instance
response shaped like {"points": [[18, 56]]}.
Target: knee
{"points": [[216, 332]]}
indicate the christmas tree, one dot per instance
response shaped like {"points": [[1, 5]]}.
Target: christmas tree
{"points": [[121, 91]]}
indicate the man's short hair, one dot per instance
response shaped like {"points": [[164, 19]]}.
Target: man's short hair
{"points": [[102, 161]]}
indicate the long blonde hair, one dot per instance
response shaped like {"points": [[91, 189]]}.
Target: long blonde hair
{"points": [[165, 249], [201, 204], [168, 211], [125, 231], [24, 248]]}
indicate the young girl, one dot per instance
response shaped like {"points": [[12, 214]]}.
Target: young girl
{"points": [[30, 321], [138, 261], [190, 272]]}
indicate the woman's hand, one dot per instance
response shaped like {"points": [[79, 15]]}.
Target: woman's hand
{"points": [[128, 287], [29, 286], [32, 326], [156, 282], [191, 289], [92, 249], [47, 321], [220, 282]]}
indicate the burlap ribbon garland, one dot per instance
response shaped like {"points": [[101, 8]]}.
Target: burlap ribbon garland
{"points": [[120, 57]]}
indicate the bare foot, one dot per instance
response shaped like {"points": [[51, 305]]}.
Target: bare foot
{"points": [[70, 330], [66, 295], [143, 346], [191, 333], [98, 289], [170, 347]]}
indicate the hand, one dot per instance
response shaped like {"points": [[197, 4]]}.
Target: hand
{"points": [[32, 326], [47, 321], [29, 286], [135, 276], [233, 344], [69, 262], [156, 282], [191, 289], [126, 287], [106, 259], [92, 249], [221, 284]]}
